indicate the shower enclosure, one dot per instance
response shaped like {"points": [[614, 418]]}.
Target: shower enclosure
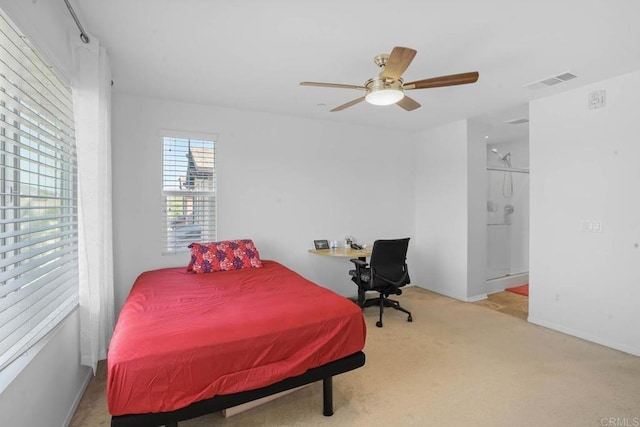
{"points": [[507, 225]]}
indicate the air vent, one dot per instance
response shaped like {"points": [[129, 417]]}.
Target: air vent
{"points": [[517, 121], [551, 81], [566, 76]]}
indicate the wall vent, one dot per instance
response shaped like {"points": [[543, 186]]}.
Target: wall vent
{"points": [[551, 81], [517, 121]]}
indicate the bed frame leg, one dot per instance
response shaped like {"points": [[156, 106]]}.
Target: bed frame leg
{"points": [[327, 397]]}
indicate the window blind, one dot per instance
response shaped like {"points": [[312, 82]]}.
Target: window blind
{"points": [[38, 196], [188, 193]]}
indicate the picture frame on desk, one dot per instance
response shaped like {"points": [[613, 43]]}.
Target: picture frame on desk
{"points": [[321, 244]]}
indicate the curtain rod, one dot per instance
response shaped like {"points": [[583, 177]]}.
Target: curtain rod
{"points": [[83, 36]]}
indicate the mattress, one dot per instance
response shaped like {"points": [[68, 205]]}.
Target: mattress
{"points": [[183, 337]]}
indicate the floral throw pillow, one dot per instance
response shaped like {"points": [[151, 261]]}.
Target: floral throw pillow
{"points": [[223, 256]]}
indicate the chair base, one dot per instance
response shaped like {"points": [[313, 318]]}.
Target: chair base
{"points": [[386, 302]]}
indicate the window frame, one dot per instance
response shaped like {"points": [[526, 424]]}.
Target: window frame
{"points": [[211, 235]]}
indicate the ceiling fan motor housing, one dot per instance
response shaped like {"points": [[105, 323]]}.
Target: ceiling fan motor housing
{"points": [[380, 83]]}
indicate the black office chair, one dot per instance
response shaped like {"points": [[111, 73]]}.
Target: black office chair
{"points": [[386, 273]]}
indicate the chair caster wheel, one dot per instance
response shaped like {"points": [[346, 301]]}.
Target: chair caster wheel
{"points": [[409, 319], [379, 324]]}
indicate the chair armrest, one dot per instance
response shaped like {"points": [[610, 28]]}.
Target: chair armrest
{"points": [[359, 263]]}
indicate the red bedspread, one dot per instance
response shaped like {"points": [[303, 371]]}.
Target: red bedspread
{"points": [[184, 337]]}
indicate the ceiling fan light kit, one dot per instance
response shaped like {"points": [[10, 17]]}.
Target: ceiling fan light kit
{"points": [[388, 87], [382, 92]]}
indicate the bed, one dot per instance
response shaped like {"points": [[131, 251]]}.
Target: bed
{"points": [[188, 344]]}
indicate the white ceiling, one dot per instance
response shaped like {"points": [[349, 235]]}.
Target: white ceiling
{"points": [[251, 54]]}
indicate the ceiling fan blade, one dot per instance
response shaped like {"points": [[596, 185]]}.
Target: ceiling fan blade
{"points": [[398, 62], [451, 80], [348, 104], [337, 85], [408, 104]]}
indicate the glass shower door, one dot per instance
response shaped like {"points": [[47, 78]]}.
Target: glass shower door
{"points": [[507, 222]]}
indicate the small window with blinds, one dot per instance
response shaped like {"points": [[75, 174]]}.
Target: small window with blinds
{"points": [[188, 192], [38, 193]]}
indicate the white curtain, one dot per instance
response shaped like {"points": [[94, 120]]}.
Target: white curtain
{"points": [[91, 88]]}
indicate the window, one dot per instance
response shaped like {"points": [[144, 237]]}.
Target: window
{"points": [[188, 192], [38, 187]]}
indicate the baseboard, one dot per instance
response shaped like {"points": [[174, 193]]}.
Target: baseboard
{"points": [[582, 335], [477, 298], [78, 397]]}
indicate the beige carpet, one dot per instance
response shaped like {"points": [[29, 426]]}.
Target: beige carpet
{"points": [[457, 364]]}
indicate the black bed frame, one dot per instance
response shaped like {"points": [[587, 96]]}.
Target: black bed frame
{"points": [[218, 403]]}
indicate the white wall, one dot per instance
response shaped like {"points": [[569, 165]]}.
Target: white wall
{"points": [[53, 381], [48, 391], [450, 205], [585, 165], [476, 212], [441, 209], [282, 181]]}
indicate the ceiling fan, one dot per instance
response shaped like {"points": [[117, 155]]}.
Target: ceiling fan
{"points": [[388, 87]]}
